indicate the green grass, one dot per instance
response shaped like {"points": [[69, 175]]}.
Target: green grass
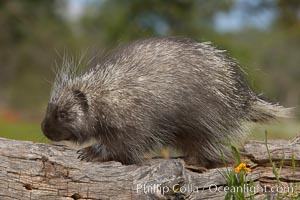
{"points": [[237, 179], [276, 130], [30, 130], [237, 183], [21, 130]]}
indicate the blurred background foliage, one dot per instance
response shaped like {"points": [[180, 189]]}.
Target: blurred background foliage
{"points": [[263, 35]]}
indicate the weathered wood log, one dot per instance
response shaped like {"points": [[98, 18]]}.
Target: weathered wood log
{"points": [[41, 171]]}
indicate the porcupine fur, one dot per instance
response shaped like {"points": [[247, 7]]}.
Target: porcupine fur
{"points": [[159, 91]]}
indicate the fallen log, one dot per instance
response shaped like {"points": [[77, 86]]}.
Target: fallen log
{"points": [[39, 171]]}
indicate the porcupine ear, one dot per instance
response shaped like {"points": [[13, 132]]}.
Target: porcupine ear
{"points": [[81, 97]]}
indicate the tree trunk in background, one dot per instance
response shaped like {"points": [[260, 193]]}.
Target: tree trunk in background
{"points": [[41, 171]]}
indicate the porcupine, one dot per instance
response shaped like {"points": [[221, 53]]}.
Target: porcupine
{"points": [[158, 91]]}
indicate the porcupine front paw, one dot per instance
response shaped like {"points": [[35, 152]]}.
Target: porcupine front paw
{"points": [[97, 152]]}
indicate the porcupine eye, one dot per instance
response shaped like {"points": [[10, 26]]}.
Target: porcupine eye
{"points": [[62, 115]]}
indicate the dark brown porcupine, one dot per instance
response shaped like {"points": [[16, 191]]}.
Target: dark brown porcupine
{"points": [[159, 91]]}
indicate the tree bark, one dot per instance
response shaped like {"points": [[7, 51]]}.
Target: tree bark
{"points": [[42, 171]]}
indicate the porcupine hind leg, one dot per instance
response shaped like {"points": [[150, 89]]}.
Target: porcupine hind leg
{"points": [[200, 151]]}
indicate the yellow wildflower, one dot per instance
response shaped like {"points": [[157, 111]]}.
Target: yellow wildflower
{"points": [[237, 169], [242, 166]]}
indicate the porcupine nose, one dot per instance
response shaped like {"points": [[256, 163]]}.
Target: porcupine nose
{"points": [[45, 128]]}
